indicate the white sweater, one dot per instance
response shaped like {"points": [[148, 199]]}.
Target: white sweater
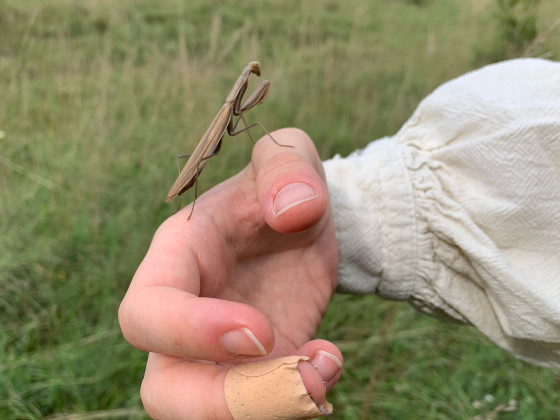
{"points": [[459, 212]]}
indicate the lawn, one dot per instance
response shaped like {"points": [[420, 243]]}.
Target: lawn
{"points": [[97, 98]]}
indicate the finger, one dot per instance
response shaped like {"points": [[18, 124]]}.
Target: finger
{"points": [[324, 369], [162, 312], [290, 181], [170, 321], [177, 389], [326, 358]]}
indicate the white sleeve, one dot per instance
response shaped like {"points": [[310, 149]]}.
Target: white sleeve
{"points": [[459, 212]]}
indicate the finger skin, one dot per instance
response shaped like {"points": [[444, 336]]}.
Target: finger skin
{"points": [[174, 388], [311, 348], [162, 313], [277, 167], [176, 323]]}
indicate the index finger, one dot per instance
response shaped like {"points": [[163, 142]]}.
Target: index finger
{"points": [[163, 313]]}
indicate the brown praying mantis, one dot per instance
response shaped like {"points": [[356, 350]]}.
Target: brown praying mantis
{"points": [[210, 143]]}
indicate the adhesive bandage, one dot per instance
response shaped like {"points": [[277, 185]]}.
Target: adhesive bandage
{"points": [[272, 389]]}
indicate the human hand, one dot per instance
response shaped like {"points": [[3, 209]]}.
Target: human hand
{"points": [[248, 277]]}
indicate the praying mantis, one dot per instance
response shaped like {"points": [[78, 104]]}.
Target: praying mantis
{"points": [[210, 143]]}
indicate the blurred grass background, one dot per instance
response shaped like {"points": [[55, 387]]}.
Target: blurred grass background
{"points": [[98, 97]]}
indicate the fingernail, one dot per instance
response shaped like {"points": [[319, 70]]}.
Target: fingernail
{"points": [[291, 195], [242, 341], [326, 364]]}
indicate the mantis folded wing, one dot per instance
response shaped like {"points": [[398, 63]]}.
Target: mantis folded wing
{"points": [[210, 143]]}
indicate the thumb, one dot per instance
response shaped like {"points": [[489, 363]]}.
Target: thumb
{"points": [[290, 181]]}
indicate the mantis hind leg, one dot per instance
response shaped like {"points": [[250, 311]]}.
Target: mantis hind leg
{"points": [[232, 131]]}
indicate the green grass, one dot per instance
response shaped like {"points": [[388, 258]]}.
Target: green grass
{"points": [[97, 99]]}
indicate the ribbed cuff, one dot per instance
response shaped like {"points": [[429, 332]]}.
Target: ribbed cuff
{"points": [[374, 219]]}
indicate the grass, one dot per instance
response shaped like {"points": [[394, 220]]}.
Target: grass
{"points": [[97, 99]]}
